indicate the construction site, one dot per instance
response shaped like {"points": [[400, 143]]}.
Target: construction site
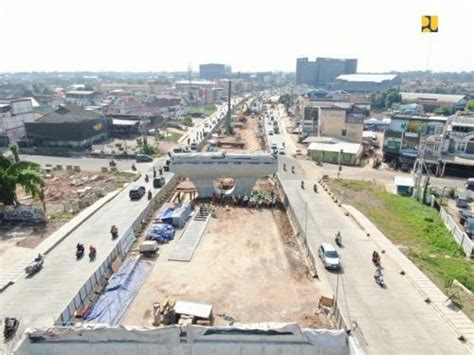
{"points": [[223, 259]]}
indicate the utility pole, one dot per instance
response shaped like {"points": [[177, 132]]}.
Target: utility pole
{"points": [[190, 73], [229, 109]]}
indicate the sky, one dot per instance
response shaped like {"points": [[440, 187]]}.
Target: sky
{"points": [[249, 35]]}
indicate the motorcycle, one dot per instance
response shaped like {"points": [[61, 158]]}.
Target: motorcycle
{"points": [[315, 188], [338, 239], [92, 253], [35, 266], [114, 232], [112, 163], [292, 169], [11, 325], [379, 280], [376, 259], [79, 253], [302, 185], [134, 168], [284, 167], [150, 195], [147, 178]]}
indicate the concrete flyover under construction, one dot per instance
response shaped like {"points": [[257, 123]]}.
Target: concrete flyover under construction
{"points": [[205, 168]]}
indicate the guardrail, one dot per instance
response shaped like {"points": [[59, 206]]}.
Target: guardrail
{"points": [[121, 249], [459, 235]]}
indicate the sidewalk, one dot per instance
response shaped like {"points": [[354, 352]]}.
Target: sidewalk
{"points": [[458, 321], [394, 320]]}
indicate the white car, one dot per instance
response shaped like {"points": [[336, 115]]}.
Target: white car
{"points": [[329, 256]]}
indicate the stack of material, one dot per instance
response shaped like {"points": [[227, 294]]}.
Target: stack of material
{"points": [[160, 232], [176, 216], [261, 198]]}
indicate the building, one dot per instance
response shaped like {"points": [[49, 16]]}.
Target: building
{"points": [[81, 98], [336, 152], [213, 71], [69, 126], [432, 101], [13, 116], [460, 136], [323, 71], [405, 134], [366, 82], [306, 72]]}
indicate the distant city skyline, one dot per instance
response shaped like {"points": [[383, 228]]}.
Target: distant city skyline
{"points": [[141, 36]]}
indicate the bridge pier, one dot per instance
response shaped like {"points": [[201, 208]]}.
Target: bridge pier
{"points": [[206, 188]]}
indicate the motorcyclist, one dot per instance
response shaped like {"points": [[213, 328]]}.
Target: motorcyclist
{"points": [[92, 251], [154, 172], [114, 231], [80, 248], [338, 238], [134, 168], [293, 169], [284, 167], [378, 276], [315, 188], [150, 195], [302, 184], [375, 257], [160, 170], [146, 178], [39, 257]]}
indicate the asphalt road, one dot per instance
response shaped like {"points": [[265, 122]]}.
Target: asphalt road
{"points": [[39, 300]]}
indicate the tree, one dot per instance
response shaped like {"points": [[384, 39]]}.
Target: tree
{"points": [[15, 172], [443, 111], [392, 96], [470, 105]]}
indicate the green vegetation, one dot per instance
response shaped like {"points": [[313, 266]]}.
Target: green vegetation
{"points": [[470, 105], [60, 217], [443, 111], [206, 109], [172, 137], [123, 174], [187, 121], [415, 226], [386, 99], [287, 100], [14, 172]]}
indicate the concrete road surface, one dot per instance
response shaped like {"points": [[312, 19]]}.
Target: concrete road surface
{"points": [[395, 320], [40, 299]]}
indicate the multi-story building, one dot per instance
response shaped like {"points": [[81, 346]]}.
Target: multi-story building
{"points": [[405, 133], [460, 135], [323, 71], [13, 116], [306, 72], [213, 71]]}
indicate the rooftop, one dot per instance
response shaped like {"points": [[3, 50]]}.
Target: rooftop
{"points": [[80, 92], [69, 114], [352, 148], [431, 97], [370, 78]]}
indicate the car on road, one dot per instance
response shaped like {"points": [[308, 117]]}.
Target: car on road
{"points": [[270, 133], [281, 151], [158, 182], [193, 146], [469, 227], [329, 256], [464, 214], [136, 192], [462, 202], [143, 158], [274, 146]]}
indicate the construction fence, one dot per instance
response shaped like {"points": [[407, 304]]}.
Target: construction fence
{"points": [[121, 249]]}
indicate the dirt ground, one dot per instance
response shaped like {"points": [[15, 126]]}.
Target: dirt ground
{"points": [[16, 238], [248, 265]]}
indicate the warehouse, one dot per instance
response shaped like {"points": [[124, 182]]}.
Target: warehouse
{"points": [[69, 126], [335, 152], [366, 82]]}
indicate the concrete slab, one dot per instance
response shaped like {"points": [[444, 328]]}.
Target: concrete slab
{"points": [[184, 249]]}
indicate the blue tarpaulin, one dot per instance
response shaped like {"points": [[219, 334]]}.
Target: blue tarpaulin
{"points": [[119, 293], [166, 216], [160, 232]]}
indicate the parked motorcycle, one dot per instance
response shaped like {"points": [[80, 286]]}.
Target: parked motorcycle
{"points": [[10, 327]]}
